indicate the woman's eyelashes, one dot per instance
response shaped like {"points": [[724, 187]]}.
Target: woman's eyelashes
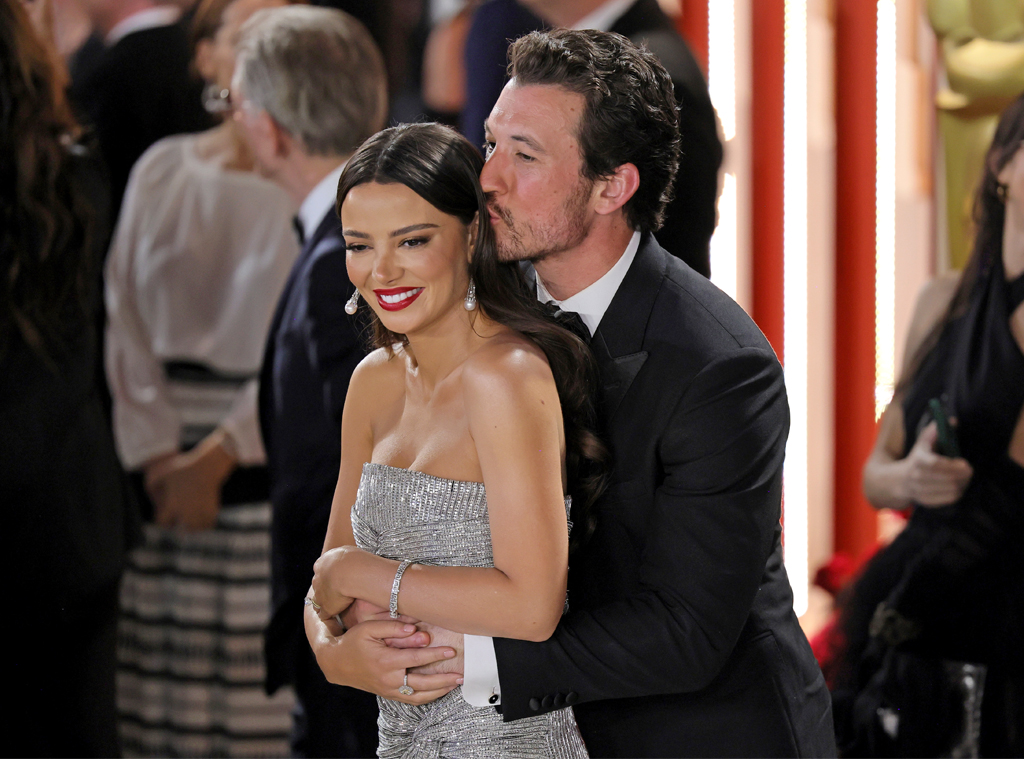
{"points": [[408, 242]]}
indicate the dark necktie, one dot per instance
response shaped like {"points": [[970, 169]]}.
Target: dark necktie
{"points": [[300, 232], [572, 322]]}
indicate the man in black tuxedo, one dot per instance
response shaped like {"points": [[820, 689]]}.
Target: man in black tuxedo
{"points": [[137, 88], [690, 216], [681, 638], [309, 88]]}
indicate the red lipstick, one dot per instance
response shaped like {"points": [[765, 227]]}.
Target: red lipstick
{"points": [[397, 298]]}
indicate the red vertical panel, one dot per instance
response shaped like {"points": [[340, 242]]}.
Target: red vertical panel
{"points": [[856, 31], [693, 26], [766, 120]]}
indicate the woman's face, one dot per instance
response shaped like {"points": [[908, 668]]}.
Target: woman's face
{"points": [[215, 58], [409, 260]]}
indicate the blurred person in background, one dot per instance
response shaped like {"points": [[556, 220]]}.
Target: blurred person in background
{"points": [[200, 254], [138, 88], [308, 90], [932, 663], [68, 515], [691, 215]]}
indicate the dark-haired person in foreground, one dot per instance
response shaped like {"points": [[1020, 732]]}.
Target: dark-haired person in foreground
{"points": [[681, 638], [68, 515]]}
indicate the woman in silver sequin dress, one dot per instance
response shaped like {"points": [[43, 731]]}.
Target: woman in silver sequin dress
{"points": [[462, 434]]}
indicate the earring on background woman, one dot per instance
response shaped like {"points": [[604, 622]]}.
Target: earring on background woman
{"points": [[470, 302], [352, 305]]}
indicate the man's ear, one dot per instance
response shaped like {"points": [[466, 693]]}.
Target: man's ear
{"points": [[281, 139], [613, 192]]}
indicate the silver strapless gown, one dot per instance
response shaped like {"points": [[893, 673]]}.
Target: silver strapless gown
{"points": [[401, 514]]}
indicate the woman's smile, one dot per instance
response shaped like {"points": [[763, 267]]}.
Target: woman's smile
{"points": [[397, 298]]}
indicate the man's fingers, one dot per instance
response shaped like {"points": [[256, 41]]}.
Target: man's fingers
{"points": [[416, 640], [423, 697], [386, 628], [410, 658], [434, 682]]}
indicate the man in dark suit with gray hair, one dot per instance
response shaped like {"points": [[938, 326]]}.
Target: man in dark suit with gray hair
{"points": [[309, 88]]}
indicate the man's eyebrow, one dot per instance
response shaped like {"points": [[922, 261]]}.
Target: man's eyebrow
{"points": [[530, 143]]}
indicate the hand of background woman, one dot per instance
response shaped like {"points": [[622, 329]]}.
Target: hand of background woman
{"points": [[185, 487], [931, 479]]}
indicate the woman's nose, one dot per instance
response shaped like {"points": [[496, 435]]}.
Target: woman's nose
{"points": [[385, 267]]}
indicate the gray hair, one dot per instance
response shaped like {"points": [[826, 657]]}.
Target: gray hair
{"points": [[317, 73]]}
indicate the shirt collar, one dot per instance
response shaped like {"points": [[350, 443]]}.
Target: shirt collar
{"points": [[592, 301], [604, 17], [320, 200], [161, 15]]}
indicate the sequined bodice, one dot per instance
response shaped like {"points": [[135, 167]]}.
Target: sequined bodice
{"points": [[403, 514]]}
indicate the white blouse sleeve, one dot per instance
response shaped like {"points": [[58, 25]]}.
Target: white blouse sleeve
{"points": [[145, 422], [242, 426]]}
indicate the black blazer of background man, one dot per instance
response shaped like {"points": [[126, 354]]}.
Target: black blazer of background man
{"points": [[681, 638], [312, 348]]}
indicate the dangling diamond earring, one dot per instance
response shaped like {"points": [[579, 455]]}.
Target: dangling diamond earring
{"points": [[470, 301], [353, 304], [216, 100]]}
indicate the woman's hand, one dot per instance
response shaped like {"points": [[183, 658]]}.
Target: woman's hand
{"points": [[931, 479], [333, 574]]}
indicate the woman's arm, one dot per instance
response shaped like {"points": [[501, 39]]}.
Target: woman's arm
{"points": [[890, 480], [515, 421]]}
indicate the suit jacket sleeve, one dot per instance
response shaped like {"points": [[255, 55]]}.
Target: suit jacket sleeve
{"points": [[334, 343], [709, 533]]}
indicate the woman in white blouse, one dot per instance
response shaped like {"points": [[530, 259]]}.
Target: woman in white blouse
{"points": [[201, 251]]}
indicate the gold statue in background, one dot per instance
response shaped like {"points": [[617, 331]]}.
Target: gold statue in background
{"points": [[982, 47]]}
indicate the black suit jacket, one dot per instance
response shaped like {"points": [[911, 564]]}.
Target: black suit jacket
{"points": [[136, 92], [312, 348], [690, 217], [681, 638]]}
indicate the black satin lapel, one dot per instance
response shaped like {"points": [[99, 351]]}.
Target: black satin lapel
{"points": [[617, 374], [622, 372]]}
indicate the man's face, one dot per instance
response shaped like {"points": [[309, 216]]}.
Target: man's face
{"points": [[540, 204], [257, 131]]}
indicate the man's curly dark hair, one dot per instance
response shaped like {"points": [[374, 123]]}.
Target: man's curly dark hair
{"points": [[630, 114]]}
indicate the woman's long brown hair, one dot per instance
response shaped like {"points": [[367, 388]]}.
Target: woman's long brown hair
{"points": [[443, 168], [46, 223]]}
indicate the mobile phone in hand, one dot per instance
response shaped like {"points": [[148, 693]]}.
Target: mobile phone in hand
{"points": [[946, 445]]}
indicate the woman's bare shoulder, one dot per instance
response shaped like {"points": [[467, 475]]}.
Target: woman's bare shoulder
{"points": [[931, 305], [507, 358], [378, 368]]}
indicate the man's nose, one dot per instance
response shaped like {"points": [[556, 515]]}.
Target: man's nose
{"points": [[492, 175]]}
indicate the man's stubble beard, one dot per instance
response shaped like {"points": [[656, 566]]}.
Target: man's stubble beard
{"points": [[565, 233]]}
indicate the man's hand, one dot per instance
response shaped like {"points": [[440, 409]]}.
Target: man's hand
{"points": [[439, 636], [361, 658]]}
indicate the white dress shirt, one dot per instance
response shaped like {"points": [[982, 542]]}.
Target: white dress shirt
{"points": [[197, 263], [603, 18], [320, 200], [481, 686], [150, 18]]}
